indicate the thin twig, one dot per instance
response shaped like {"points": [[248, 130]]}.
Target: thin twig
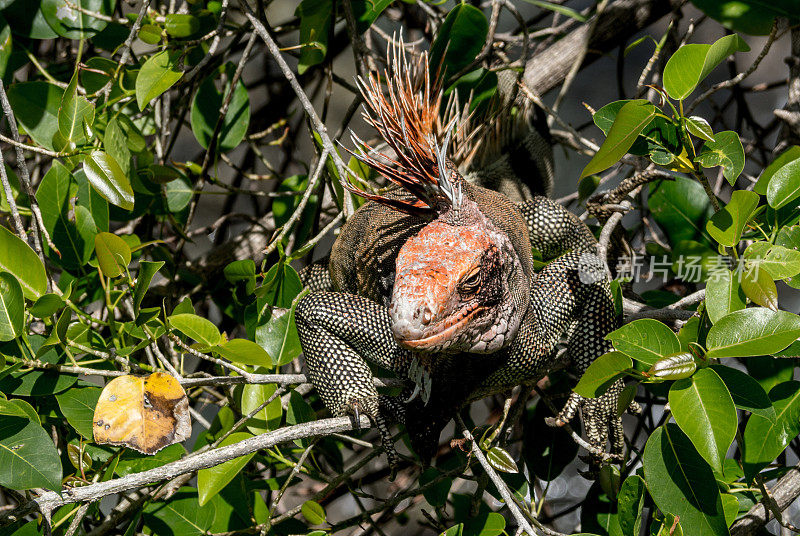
{"points": [[498, 482], [319, 127], [298, 211], [126, 49], [12, 202]]}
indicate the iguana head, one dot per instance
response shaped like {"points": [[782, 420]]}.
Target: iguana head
{"points": [[452, 287], [453, 280]]}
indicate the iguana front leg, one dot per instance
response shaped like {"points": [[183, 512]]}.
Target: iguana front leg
{"points": [[585, 297], [340, 332], [570, 296]]}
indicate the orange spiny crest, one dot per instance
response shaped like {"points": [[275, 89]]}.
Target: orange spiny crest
{"points": [[406, 116]]}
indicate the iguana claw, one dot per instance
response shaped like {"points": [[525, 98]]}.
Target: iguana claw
{"points": [[414, 394]]}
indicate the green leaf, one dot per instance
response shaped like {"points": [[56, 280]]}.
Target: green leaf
{"points": [[181, 24], [603, 371], [367, 11], [150, 34], [181, 514], [689, 255], [47, 305], [604, 117], [243, 270], [556, 8], [269, 418], [646, 340], [35, 105], [28, 457], [77, 405], [18, 408], [764, 437], [268, 322], [455, 530], [74, 242], [72, 23], [752, 17], [461, 37], [674, 367], [281, 285], [752, 331], [298, 411], [778, 261], [147, 270], [133, 136], [494, 525], [206, 107], [789, 237], [725, 150], [113, 254], [316, 20], [724, 294], [278, 336], [599, 514], [108, 179], [6, 45], [76, 113], [501, 460], [157, 75], [700, 128], [435, 494], [34, 383], [631, 119], [690, 64], [784, 186], [178, 193], [18, 259], [211, 481], [681, 207], [746, 392], [760, 287], [116, 145], [789, 155], [704, 409], [12, 308], [196, 327], [245, 352], [134, 462], [630, 501], [681, 483], [726, 226], [313, 512], [93, 203]]}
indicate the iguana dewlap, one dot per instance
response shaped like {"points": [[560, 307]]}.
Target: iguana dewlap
{"points": [[434, 282]]}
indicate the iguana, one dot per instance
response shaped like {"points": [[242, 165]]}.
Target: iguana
{"points": [[433, 281]]}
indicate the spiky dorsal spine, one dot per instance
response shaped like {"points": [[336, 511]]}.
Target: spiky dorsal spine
{"points": [[407, 118]]}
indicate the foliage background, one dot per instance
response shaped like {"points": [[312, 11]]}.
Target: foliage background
{"points": [[127, 246]]}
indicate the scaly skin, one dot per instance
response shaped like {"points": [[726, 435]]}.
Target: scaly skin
{"points": [[434, 282], [365, 316]]}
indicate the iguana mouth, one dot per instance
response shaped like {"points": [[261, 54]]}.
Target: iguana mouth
{"points": [[442, 337]]}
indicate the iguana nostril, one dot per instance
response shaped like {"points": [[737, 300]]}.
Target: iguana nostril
{"points": [[427, 315]]}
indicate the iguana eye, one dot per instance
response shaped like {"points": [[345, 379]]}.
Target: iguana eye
{"points": [[471, 282]]}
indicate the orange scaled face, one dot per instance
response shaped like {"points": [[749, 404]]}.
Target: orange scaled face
{"points": [[440, 286]]}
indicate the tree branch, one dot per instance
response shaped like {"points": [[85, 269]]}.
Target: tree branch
{"points": [[50, 500], [785, 492], [619, 21]]}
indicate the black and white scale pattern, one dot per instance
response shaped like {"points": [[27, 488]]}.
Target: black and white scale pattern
{"points": [[346, 324]]}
